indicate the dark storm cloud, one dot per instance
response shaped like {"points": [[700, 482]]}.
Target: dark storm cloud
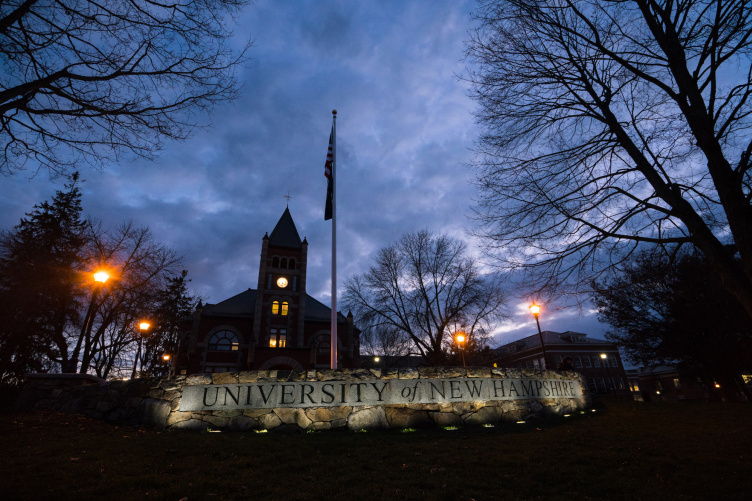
{"points": [[405, 130]]}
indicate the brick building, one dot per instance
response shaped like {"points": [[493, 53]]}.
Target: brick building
{"points": [[276, 326], [596, 359]]}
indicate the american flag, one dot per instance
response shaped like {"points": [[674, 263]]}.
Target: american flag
{"points": [[329, 156], [328, 208]]}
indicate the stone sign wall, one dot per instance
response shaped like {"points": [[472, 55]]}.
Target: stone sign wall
{"points": [[317, 400]]}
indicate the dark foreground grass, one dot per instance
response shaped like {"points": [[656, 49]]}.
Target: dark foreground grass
{"points": [[630, 450]]}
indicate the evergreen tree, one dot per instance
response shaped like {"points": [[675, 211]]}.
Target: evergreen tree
{"points": [[174, 304], [41, 265]]}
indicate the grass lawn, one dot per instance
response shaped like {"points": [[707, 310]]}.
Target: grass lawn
{"points": [[628, 450]]}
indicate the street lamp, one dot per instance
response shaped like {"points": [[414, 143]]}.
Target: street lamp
{"points": [[604, 357], [143, 326], [460, 338], [535, 310], [100, 277], [166, 358]]}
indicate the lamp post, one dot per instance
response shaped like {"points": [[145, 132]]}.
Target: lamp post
{"points": [[166, 357], [143, 327], [604, 357], [100, 277], [460, 338], [535, 310]]}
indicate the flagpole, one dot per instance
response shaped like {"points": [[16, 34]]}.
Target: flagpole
{"points": [[333, 360]]}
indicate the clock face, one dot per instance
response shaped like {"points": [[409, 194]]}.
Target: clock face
{"points": [[282, 282]]}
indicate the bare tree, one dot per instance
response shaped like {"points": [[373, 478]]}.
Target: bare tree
{"points": [[384, 340], [142, 268], [425, 287], [612, 124], [86, 81]]}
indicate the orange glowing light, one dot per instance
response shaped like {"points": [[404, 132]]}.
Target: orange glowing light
{"points": [[166, 357], [144, 326], [101, 276], [460, 338], [535, 309]]}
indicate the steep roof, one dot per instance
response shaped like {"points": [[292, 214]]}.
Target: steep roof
{"points": [[551, 337], [285, 234], [240, 305], [243, 306]]}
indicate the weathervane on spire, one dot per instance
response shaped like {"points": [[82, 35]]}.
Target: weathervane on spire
{"points": [[288, 197]]}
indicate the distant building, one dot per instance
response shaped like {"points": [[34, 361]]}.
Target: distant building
{"points": [[276, 326], [596, 359], [668, 383]]}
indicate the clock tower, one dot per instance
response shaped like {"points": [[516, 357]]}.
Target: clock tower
{"points": [[281, 294]]}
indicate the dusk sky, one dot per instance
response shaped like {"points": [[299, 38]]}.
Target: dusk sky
{"points": [[405, 136]]}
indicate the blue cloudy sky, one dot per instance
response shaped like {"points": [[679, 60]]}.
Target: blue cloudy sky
{"points": [[405, 138]]}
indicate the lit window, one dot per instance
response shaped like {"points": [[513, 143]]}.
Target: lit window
{"points": [[275, 307], [619, 382], [635, 386], [278, 338], [284, 308], [223, 341], [677, 383]]}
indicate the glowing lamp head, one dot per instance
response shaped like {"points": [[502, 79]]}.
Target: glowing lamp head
{"points": [[144, 326], [166, 357], [376, 359], [460, 338], [603, 356], [101, 276], [535, 309]]}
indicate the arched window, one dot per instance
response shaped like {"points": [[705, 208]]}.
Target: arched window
{"points": [[275, 262], [275, 307], [223, 341], [291, 264], [284, 308], [283, 263]]}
